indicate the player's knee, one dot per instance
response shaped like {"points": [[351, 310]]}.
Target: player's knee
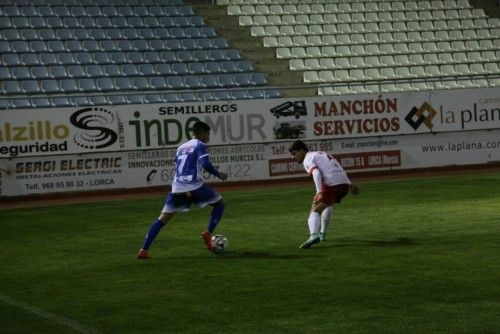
{"points": [[319, 207], [219, 207], [220, 203], [165, 217]]}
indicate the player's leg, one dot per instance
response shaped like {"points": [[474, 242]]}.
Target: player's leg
{"points": [[216, 215], [204, 196], [173, 203], [313, 223], [153, 231], [213, 221], [326, 218], [332, 195]]}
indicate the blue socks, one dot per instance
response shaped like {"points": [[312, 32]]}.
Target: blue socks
{"points": [[157, 225], [215, 217], [154, 229]]}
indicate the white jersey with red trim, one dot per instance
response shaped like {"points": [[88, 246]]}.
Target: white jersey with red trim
{"points": [[331, 171]]}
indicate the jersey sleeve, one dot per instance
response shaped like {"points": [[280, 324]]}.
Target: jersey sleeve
{"points": [[204, 159], [309, 164]]}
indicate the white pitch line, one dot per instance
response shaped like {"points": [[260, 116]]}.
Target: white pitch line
{"points": [[49, 316]]}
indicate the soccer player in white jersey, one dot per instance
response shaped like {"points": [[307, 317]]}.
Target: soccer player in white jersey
{"points": [[187, 188], [331, 182]]}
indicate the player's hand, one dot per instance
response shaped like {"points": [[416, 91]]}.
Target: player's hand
{"points": [[317, 198], [223, 176], [354, 189]]}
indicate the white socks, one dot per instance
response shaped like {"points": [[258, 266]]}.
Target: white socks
{"points": [[326, 218], [314, 222], [319, 223]]}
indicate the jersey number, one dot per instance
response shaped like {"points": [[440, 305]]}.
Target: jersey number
{"points": [[182, 158]]}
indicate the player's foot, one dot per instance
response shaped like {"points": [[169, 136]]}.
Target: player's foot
{"points": [[207, 239], [313, 239], [143, 255], [322, 236]]}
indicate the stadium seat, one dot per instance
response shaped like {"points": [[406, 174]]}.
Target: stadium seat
{"points": [[158, 82], [140, 83], [212, 67], [170, 97], [388, 73], [112, 70], [462, 69], [135, 99], [68, 85], [175, 82], [196, 68], [80, 101], [226, 80], [242, 79], [30, 59], [492, 68], [105, 84], [188, 97], [60, 102], [258, 79], [389, 87], [87, 85], [357, 75], [295, 64], [192, 82], [41, 102], [18, 72], [373, 74], [229, 66], [402, 60], [477, 68], [76, 71], [256, 94], [432, 71], [21, 103], [222, 95], [373, 61], [339, 75], [210, 81], [49, 86], [123, 83], [153, 98], [117, 99], [311, 77], [421, 86], [313, 63], [30, 87], [20, 46]]}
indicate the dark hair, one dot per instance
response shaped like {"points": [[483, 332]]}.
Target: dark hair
{"points": [[200, 127], [297, 146]]}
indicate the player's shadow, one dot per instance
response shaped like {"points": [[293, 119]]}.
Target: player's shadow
{"points": [[402, 241], [262, 255], [399, 242]]}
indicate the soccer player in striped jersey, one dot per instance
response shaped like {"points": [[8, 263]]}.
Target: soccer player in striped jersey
{"points": [[331, 182], [187, 188]]}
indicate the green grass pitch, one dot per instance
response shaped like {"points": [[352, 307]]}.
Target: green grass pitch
{"points": [[406, 256]]}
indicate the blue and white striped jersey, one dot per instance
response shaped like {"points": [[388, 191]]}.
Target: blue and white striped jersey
{"points": [[190, 161]]}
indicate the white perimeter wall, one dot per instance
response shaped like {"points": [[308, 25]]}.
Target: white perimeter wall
{"points": [[113, 147]]}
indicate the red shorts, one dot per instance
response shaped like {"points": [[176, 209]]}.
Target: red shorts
{"points": [[334, 194]]}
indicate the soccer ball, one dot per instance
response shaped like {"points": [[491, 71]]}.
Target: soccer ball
{"points": [[219, 243]]}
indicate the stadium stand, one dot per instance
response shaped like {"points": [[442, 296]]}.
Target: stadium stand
{"points": [[377, 46], [66, 52]]}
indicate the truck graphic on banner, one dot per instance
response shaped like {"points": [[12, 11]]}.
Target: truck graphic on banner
{"points": [[289, 131], [290, 108]]}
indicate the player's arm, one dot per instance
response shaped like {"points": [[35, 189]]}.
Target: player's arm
{"points": [[318, 183], [207, 165], [354, 189]]}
